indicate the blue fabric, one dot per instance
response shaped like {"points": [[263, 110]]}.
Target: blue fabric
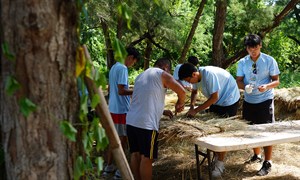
{"points": [[176, 76], [266, 66], [215, 79], [118, 75]]}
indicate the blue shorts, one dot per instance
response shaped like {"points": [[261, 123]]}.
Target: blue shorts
{"points": [[143, 141]]}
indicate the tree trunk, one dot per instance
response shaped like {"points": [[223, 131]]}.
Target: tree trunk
{"points": [[192, 32], [220, 18], [148, 51], [42, 37], [110, 55]]}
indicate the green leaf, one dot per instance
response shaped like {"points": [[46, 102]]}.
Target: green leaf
{"points": [[79, 168], [119, 50], [99, 161], [84, 104], [7, 54], [11, 85], [95, 100], [100, 79], [26, 106], [68, 130], [88, 142], [89, 164], [100, 136], [126, 13]]}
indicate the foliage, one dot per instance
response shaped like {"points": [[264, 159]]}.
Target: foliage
{"points": [[168, 23], [132, 74], [290, 79], [11, 85]]}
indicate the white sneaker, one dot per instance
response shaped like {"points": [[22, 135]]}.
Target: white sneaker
{"points": [[117, 175], [218, 168], [108, 169]]}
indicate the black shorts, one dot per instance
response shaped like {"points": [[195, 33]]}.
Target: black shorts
{"points": [[143, 141], [260, 113], [225, 111]]}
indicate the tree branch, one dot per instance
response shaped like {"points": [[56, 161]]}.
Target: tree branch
{"points": [[277, 20]]}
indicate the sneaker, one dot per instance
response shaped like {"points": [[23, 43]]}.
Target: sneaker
{"points": [[265, 169], [108, 170], [117, 175], [255, 159], [218, 168]]}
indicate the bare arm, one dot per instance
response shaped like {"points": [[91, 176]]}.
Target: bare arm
{"points": [[123, 91], [211, 100], [240, 82], [193, 98], [169, 82]]}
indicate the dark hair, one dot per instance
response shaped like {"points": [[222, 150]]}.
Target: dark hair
{"points": [[194, 60], [186, 70], [134, 52], [162, 62], [252, 40]]}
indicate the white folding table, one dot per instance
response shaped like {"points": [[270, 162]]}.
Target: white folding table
{"points": [[253, 136]]}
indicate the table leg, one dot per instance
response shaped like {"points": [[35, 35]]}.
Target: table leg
{"points": [[209, 164], [197, 162]]}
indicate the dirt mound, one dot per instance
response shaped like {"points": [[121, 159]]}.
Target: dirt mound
{"points": [[287, 103]]}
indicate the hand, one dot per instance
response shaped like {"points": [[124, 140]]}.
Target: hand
{"points": [[179, 107], [191, 113], [262, 88], [168, 113]]}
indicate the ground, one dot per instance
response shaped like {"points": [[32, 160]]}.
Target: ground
{"points": [[177, 155]]}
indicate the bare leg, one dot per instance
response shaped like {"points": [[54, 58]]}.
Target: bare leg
{"points": [[146, 168], [221, 155], [124, 143], [256, 151], [135, 162], [109, 156], [268, 153]]}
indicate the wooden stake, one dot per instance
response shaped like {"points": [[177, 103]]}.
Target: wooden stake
{"points": [[107, 123]]}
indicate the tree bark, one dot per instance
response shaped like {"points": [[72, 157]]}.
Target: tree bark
{"points": [[110, 54], [192, 32], [42, 37], [220, 18], [148, 52]]}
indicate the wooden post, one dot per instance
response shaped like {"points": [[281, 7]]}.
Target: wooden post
{"points": [[107, 123]]}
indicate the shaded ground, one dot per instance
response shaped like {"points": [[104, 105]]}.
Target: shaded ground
{"points": [[177, 155]]}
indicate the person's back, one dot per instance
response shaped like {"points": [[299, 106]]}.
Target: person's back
{"points": [[218, 79], [147, 100]]}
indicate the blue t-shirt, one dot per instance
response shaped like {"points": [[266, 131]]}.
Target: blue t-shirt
{"points": [[215, 79], [266, 66], [176, 76], [118, 104]]}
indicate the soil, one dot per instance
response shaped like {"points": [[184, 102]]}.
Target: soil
{"points": [[177, 156]]}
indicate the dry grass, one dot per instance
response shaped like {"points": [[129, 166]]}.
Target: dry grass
{"points": [[177, 154]]}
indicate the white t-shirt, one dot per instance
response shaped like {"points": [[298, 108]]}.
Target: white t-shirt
{"points": [[148, 100]]}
